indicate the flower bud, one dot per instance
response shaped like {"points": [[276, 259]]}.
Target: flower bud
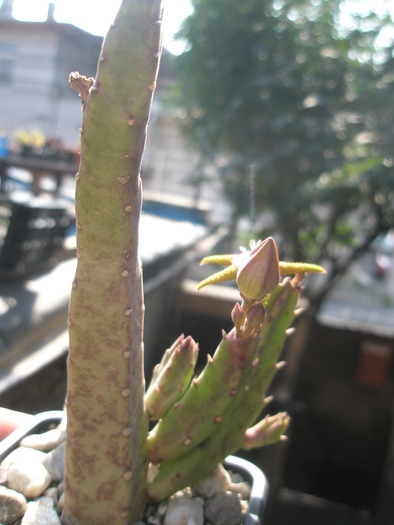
{"points": [[258, 273], [254, 318], [237, 316]]}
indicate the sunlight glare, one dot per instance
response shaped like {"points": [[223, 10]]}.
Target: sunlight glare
{"points": [[96, 20]]}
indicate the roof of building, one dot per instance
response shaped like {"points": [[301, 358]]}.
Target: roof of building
{"points": [[49, 27]]}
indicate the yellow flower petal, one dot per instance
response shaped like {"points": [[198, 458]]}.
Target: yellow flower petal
{"points": [[228, 274], [226, 260], [291, 268]]}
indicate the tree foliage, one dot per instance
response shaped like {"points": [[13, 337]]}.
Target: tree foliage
{"points": [[278, 89]]}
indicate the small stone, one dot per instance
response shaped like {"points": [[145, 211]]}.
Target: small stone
{"points": [[22, 455], [218, 481], [150, 509], [60, 504], [154, 520], [245, 506], [162, 508], [54, 463], [52, 493], [236, 477], [224, 509], [41, 512], [30, 478], [60, 488], [12, 505], [184, 510], [242, 488], [46, 441]]}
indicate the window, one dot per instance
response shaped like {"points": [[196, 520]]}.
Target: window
{"points": [[6, 67], [7, 54]]}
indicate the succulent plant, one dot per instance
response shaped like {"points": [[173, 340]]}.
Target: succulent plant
{"points": [[201, 419]]}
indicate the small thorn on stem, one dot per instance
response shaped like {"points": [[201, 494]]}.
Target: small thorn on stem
{"points": [[123, 180]]}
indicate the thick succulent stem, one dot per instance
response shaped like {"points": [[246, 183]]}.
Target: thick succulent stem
{"points": [[171, 383], [245, 407], [268, 430], [200, 411], [107, 424]]}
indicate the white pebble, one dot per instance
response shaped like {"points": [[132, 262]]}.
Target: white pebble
{"points": [[51, 492], [218, 481], [54, 463], [41, 512], [162, 508], [22, 455], [30, 478], [183, 510], [154, 520], [46, 441]]}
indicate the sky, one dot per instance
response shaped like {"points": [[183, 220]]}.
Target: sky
{"points": [[79, 13]]}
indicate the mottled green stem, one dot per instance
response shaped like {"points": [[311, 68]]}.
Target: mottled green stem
{"points": [[107, 424], [246, 405]]}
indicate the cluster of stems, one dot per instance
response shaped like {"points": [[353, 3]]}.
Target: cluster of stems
{"points": [[200, 419]]}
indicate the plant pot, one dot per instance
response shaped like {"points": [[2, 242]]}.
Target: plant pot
{"points": [[259, 485]]}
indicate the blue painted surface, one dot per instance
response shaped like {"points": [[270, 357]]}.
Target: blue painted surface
{"points": [[177, 213]]}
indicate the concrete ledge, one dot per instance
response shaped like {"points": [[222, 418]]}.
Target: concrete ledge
{"points": [[214, 300]]}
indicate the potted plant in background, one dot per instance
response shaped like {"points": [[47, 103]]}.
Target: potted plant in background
{"points": [[201, 420]]}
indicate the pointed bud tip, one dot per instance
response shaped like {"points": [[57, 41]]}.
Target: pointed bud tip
{"points": [[258, 274]]}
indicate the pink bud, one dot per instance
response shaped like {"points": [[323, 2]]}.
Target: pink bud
{"points": [[254, 317], [237, 316], [258, 272]]}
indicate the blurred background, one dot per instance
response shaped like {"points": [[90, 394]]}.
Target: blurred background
{"points": [[271, 117]]}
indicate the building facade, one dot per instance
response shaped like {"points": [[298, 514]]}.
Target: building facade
{"points": [[36, 59]]}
